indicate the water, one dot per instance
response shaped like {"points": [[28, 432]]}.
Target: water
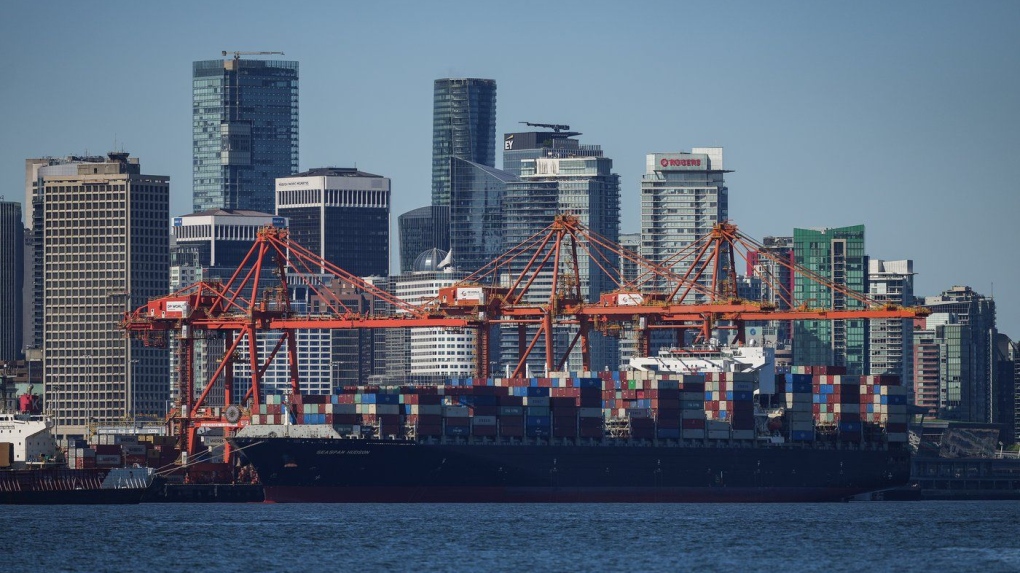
{"points": [[248, 538]]}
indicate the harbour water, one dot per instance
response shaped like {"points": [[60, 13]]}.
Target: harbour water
{"points": [[859, 536]]}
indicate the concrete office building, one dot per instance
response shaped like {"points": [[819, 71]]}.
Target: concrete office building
{"points": [[35, 168], [106, 250], [342, 215], [428, 355]]}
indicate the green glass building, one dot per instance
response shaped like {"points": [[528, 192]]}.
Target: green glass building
{"points": [[837, 255]]}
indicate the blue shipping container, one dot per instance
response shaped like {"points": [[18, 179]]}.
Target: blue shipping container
{"points": [[537, 420]]}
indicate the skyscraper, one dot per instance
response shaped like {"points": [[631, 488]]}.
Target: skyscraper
{"points": [[584, 187], [106, 250], [245, 131], [463, 126], [837, 255], [341, 214], [476, 216], [12, 280], [35, 170], [683, 195], [421, 230]]}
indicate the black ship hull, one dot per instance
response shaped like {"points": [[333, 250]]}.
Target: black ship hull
{"points": [[54, 486], [360, 470]]}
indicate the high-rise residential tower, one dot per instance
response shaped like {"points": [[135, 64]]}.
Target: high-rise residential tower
{"points": [[106, 250], [683, 195], [245, 131], [341, 214], [891, 340], [837, 255], [12, 280], [773, 264], [463, 126], [968, 354]]}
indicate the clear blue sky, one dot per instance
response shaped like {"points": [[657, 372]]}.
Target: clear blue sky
{"points": [[902, 116]]}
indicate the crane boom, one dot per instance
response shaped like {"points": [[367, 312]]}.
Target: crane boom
{"points": [[556, 127], [238, 54]]}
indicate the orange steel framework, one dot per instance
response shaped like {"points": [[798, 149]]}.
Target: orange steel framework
{"points": [[702, 299]]}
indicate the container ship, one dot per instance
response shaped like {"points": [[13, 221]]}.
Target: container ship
{"points": [[710, 427], [31, 471]]}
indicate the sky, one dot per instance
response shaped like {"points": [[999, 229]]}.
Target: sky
{"points": [[901, 116]]}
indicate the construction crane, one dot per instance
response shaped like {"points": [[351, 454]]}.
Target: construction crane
{"points": [[244, 312], [556, 127], [237, 55]]}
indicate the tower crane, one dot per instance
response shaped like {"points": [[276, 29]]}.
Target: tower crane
{"points": [[556, 127], [237, 55]]}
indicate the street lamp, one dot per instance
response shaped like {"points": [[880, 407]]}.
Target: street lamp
{"points": [[132, 393], [88, 396]]}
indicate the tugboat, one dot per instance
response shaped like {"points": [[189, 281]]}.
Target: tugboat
{"points": [[32, 470]]}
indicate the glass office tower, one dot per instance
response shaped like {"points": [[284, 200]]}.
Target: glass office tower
{"points": [[245, 131], [463, 126]]}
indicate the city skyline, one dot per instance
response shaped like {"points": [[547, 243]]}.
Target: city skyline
{"points": [[818, 106]]}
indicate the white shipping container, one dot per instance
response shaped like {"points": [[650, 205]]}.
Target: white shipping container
{"points": [[456, 412]]}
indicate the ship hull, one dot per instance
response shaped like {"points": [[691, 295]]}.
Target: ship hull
{"points": [[358, 470], [57, 486]]}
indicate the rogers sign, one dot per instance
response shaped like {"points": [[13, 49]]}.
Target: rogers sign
{"points": [[666, 162]]}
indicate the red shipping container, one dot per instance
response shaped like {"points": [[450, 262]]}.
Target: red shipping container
{"points": [[692, 424]]}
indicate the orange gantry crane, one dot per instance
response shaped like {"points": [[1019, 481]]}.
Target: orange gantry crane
{"points": [[537, 286]]}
